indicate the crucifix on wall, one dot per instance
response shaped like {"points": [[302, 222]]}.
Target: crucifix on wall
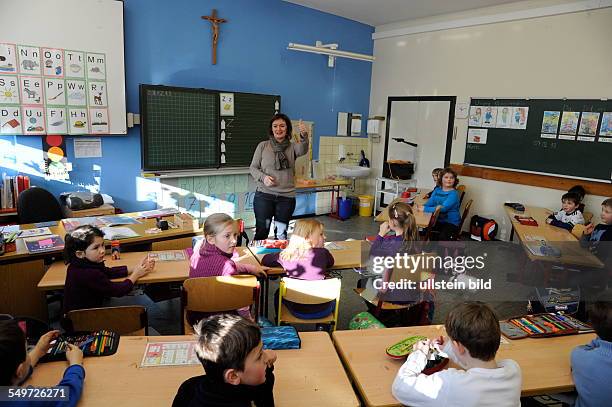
{"points": [[214, 21]]}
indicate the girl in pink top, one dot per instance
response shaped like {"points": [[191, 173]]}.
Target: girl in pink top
{"points": [[212, 256]]}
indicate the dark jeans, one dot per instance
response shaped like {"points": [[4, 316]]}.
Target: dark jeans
{"points": [[447, 231], [267, 206]]}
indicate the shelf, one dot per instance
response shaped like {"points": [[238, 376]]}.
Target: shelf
{"points": [[8, 212]]}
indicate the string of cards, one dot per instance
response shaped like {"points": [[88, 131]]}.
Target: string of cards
{"points": [[52, 91], [565, 124]]}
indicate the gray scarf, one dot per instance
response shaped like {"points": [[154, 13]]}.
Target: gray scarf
{"points": [[280, 159]]}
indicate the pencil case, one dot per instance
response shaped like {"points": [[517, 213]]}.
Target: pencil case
{"points": [[97, 343], [280, 337], [543, 325]]}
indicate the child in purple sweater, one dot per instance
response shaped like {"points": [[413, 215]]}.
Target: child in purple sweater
{"points": [[88, 280], [305, 257]]}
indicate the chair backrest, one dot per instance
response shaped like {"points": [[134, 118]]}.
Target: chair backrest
{"points": [[125, 320], [461, 190], [219, 293], [310, 291], [432, 222], [36, 204], [466, 211]]}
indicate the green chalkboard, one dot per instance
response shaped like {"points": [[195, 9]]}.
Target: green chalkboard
{"points": [[185, 128], [179, 128], [551, 149]]}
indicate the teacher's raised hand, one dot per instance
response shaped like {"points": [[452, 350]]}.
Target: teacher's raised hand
{"points": [[303, 130]]}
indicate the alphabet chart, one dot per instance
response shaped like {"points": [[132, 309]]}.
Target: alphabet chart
{"points": [[52, 91]]}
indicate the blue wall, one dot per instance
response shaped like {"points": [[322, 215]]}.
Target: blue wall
{"points": [[166, 42]]}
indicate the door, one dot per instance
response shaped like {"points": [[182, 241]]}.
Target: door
{"points": [[427, 122]]}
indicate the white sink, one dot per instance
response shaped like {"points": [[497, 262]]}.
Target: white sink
{"points": [[352, 171]]}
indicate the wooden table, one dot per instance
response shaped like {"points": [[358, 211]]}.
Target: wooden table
{"points": [[544, 362], [350, 256], [422, 218], [310, 376], [21, 271], [165, 271], [571, 251], [324, 185]]}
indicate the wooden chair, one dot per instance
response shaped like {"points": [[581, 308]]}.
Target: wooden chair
{"points": [[466, 211], [217, 294], [432, 223], [461, 190], [308, 292], [423, 273], [126, 320]]}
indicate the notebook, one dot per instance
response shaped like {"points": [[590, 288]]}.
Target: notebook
{"points": [[45, 243]]}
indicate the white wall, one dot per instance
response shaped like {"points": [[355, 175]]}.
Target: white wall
{"points": [[559, 56]]}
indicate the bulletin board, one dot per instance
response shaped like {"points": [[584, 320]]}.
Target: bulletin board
{"points": [[62, 67]]}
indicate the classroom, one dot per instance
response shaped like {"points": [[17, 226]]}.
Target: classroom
{"points": [[306, 202]]}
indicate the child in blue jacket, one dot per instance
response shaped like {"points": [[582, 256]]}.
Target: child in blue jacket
{"points": [[447, 197]]}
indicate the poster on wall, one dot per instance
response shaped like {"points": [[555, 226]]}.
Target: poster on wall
{"points": [[53, 90], [519, 118], [569, 123], [475, 116], [477, 136], [605, 129], [489, 118], [504, 117], [550, 122], [588, 123]]}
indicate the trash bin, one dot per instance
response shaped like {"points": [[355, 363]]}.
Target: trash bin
{"points": [[344, 208], [365, 205]]}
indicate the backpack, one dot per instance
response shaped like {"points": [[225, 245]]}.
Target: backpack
{"points": [[482, 228]]}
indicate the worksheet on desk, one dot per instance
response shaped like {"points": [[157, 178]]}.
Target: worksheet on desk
{"points": [[169, 354]]}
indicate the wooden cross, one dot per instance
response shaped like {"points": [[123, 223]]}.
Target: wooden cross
{"points": [[214, 21]]}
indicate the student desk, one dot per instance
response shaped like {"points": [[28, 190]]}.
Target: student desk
{"points": [[544, 362], [165, 271], [21, 271], [571, 252], [310, 376], [352, 255]]}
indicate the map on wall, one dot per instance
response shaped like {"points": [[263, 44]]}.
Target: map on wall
{"points": [[52, 91]]}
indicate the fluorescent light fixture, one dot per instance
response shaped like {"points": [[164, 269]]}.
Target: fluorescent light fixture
{"points": [[329, 50]]}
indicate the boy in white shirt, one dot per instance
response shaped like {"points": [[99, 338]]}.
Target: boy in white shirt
{"points": [[472, 342]]}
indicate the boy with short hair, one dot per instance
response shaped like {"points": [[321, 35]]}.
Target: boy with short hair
{"points": [[569, 215], [16, 365], [592, 363], [472, 342], [435, 174], [238, 370]]}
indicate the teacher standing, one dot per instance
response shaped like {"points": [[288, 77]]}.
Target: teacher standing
{"points": [[273, 168]]}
